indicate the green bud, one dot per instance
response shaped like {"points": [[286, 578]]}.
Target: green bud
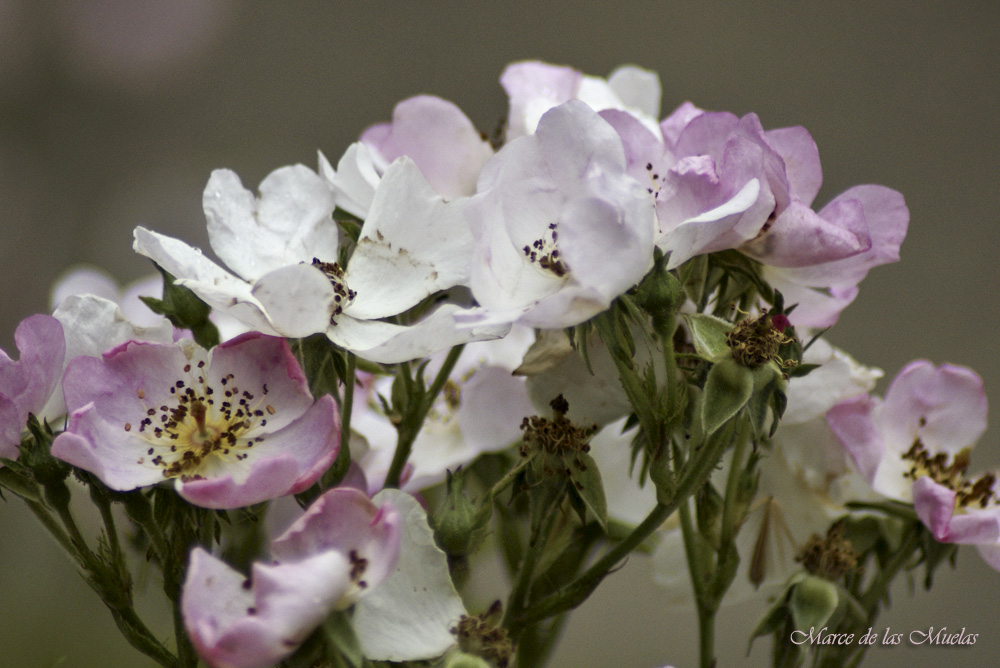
{"points": [[660, 294], [460, 526], [463, 660], [813, 602]]}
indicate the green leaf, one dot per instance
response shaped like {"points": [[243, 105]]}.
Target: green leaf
{"points": [[19, 482], [185, 310], [727, 389], [340, 635], [709, 335]]}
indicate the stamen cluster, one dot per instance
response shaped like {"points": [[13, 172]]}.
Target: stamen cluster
{"points": [[829, 558], [545, 253], [184, 435], [951, 475], [342, 295], [755, 341]]}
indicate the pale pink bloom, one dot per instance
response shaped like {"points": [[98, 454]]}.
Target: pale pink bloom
{"points": [[27, 384], [438, 137], [560, 229], [343, 547], [914, 446], [231, 427]]}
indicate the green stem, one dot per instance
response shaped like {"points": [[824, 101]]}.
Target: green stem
{"points": [[410, 426], [347, 404], [507, 479], [141, 638], [519, 594], [125, 617], [572, 594], [706, 616], [55, 530]]}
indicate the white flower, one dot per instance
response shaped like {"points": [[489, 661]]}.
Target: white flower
{"points": [[561, 230], [283, 248]]}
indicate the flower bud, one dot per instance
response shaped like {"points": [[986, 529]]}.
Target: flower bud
{"points": [[459, 526]]}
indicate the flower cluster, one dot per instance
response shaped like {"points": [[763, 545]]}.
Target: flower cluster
{"points": [[602, 331]]}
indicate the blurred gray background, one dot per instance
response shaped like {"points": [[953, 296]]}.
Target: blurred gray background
{"points": [[113, 113]]}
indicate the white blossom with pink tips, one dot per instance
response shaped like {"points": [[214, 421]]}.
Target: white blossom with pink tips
{"points": [[914, 446], [230, 427], [343, 547]]}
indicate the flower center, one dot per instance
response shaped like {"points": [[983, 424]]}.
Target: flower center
{"points": [[342, 295], [756, 341], [545, 253], [203, 426], [951, 475]]}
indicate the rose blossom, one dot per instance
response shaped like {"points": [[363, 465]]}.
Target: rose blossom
{"points": [[231, 427]]}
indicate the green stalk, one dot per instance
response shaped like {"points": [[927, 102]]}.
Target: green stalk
{"points": [[574, 593], [347, 404], [413, 421]]}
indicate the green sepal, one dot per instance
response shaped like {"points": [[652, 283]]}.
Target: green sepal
{"points": [[185, 310], [709, 335], [728, 387], [18, 479], [586, 484], [340, 637], [459, 659]]}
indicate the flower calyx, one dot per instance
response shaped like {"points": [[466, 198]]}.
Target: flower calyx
{"points": [[483, 636], [831, 557]]}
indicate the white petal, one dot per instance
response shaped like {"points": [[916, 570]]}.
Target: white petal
{"points": [[637, 88], [298, 300], [387, 343], [412, 245], [289, 223], [355, 180], [409, 616]]}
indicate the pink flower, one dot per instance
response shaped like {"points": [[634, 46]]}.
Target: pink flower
{"points": [[915, 446], [723, 182], [231, 427], [341, 548], [25, 385]]}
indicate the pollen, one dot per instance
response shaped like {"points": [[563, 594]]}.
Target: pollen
{"points": [[195, 436], [950, 472], [342, 295], [544, 252]]}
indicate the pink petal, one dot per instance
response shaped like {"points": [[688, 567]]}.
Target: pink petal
{"points": [[799, 237], [945, 407], [852, 422], [437, 136], [798, 150]]}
